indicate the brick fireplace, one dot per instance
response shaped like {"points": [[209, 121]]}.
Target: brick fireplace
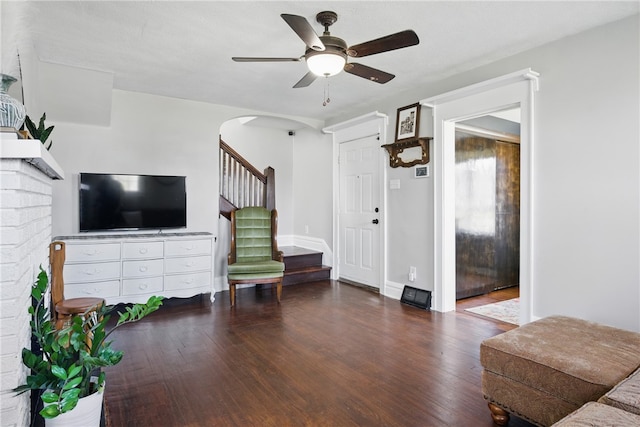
{"points": [[26, 174]]}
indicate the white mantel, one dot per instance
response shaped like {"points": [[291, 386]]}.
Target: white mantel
{"points": [[26, 173], [31, 151]]}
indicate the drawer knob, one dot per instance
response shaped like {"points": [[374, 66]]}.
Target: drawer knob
{"points": [[91, 291], [143, 286], [142, 268], [92, 272], [143, 250]]}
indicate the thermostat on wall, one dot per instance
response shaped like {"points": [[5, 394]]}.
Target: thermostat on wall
{"points": [[421, 171]]}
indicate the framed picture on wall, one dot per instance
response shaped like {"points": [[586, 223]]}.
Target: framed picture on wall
{"points": [[408, 122]]}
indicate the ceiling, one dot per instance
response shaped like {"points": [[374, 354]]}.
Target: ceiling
{"points": [[184, 49]]}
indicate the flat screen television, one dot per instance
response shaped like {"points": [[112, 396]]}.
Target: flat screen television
{"points": [[132, 202]]}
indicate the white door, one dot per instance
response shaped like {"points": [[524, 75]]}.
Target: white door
{"points": [[359, 214]]}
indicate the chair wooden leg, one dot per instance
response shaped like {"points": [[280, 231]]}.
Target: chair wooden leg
{"points": [[232, 293], [279, 290], [62, 321], [499, 415]]}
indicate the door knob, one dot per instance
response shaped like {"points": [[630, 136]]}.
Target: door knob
{"points": [[375, 221]]}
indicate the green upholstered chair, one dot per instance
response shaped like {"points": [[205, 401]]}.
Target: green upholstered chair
{"points": [[254, 257]]}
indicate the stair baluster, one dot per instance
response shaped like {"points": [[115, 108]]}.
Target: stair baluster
{"points": [[241, 184]]}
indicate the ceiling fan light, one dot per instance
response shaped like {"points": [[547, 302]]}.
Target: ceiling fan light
{"points": [[326, 64]]}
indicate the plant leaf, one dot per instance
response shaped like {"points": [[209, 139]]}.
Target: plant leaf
{"points": [[72, 383], [73, 393], [59, 372], [73, 371], [41, 124], [31, 127], [49, 397], [68, 404], [45, 134], [50, 411]]}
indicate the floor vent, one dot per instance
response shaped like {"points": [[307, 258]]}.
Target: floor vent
{"points": [[416, 297]]}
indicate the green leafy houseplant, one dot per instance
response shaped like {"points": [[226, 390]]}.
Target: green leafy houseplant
{"points": [[39, 132], [73, 355]]}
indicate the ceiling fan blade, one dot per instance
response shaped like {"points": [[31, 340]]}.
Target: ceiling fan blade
{"points": [[304, 30], [384, 44], [250, 59], [306, 80], [368, 73]]}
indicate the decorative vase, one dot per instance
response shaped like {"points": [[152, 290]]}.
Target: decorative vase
{"points": [[86, 414], [12, 112]]}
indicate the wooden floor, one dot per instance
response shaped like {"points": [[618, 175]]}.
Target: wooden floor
{"points": [[330, 354]]}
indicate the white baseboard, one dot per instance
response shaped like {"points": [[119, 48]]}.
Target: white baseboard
{"points": [[220, 283], [393, 290]]}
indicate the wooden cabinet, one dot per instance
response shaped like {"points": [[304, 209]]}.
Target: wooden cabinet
{"points": [[130, 268]]}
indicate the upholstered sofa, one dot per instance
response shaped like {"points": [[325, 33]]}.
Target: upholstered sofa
{"points": [[563, 371]]}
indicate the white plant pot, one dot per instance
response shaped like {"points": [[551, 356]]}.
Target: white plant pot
{"points": [[86, 414]]}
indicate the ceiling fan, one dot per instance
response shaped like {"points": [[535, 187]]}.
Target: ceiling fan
{"points": [[326, 55]]}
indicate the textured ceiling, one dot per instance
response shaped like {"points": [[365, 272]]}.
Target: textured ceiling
{"points": [[184, 49]]}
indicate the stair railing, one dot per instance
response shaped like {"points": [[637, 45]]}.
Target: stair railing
{"points": [[241, 184]]}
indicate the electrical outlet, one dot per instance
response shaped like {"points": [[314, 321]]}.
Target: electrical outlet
{"points": [[412, 274], [306, 229]]}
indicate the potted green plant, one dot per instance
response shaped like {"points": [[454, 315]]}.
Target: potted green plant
{"points": [[69, 367], [41, 133]]}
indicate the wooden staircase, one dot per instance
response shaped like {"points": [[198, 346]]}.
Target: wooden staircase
{"points": [[303, 265]]}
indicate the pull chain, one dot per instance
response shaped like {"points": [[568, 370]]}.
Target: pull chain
{"points": [[326, 92]]}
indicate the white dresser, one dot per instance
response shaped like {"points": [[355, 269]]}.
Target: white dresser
{"points": [[129, 268]]}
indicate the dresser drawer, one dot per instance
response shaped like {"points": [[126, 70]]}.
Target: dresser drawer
{"points": [[187, 247], [186, 281], [82, 273], [141, 250], [142, 286], [107, 289], [188, 264], [92, 252], [142, 268]]}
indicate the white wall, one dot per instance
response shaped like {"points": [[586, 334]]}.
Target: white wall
{"points": [[586, 175], [408, 211], [312, 185]]}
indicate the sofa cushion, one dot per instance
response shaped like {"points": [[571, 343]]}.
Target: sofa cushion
{"points": [[597, 414], [573, 359], [625, 395]]}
